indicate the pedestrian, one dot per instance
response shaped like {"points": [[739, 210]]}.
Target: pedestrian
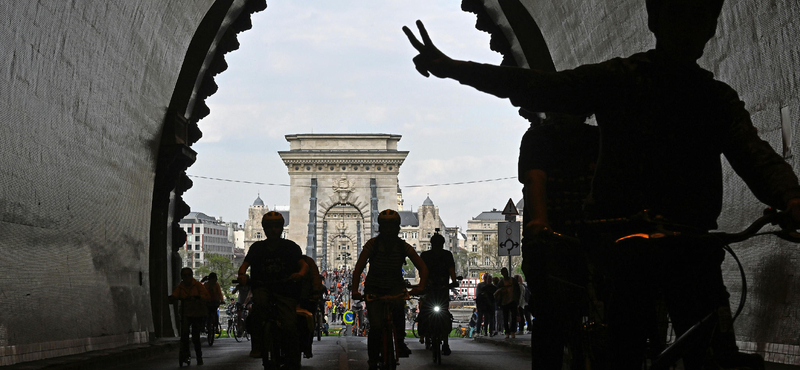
{"points": [[498, 309], [524, 296], [484, 300], [473, 322], [507, 298]]}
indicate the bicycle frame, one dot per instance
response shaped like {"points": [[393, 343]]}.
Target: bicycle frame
{"points": [[660, 230], [389, 338]]}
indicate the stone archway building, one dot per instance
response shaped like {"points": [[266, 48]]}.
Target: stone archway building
{"points": [[339, 184]]}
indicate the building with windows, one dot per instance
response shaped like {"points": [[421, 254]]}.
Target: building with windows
{"points": [[416, 228], [481, 244], [253, 231], [205, 235]]}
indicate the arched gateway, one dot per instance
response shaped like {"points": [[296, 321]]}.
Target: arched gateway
{"points": [[339, 184]]}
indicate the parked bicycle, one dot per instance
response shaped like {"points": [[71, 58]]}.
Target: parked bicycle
{"points": [[236, 323]]}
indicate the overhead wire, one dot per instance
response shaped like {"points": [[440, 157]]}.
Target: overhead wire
{"points": [[402, 186]]}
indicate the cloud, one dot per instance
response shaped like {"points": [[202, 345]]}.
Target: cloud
{"points": [[320, 66]]}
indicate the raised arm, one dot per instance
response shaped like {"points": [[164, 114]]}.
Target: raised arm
{"points": [[576, 91]]}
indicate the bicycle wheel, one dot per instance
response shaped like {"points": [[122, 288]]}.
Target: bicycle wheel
{"points": [[210, 333], [414, 329], [219, 330], [233, 331], [437, 350]]}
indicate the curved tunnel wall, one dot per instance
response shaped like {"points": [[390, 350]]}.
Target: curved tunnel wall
{"points": [[84, 91], [756, 52]]}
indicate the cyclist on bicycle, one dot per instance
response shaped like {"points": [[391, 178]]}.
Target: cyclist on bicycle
{"points": [[663, 121], [214, 290], [441, 271], [386, 255], [193, 296], [276, 264]]}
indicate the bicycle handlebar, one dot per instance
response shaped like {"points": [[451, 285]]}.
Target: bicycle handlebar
{"points": [[663, 228]]}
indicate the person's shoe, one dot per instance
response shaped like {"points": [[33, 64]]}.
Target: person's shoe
{"points": [[506, 336], [255, 354], [403, 350], [446, 350], [199, 361], [513, 336], [308, 354], [422, 340]]}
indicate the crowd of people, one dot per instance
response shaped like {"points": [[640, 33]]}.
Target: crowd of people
{"points": [[502, 306]]}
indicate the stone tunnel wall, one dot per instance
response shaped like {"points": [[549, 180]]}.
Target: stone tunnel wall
{"points": [[757, 52], [84, 86]]}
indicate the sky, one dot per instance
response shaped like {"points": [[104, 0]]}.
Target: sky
{"points": [[317, 66]]}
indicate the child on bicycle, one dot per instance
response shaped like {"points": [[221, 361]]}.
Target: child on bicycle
{"points": [[193, 296], [386, 255]]}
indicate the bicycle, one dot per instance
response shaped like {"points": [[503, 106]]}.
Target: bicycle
{"points": [[434, 308], [236, 324], [213, 328], [272, 353], [660, 230], [390, 338]]}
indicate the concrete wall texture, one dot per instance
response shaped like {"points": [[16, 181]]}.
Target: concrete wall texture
{"points": [[756, 52], [84, 87]]}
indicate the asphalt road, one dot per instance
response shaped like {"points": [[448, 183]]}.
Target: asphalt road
{"points": [[346, 353]]}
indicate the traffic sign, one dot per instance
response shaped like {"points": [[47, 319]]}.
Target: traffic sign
{"points": [[348, 317], [510, 209], [508, 238]]}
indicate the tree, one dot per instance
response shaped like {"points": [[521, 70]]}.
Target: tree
{"points": [[223, 266], [411, 271]]}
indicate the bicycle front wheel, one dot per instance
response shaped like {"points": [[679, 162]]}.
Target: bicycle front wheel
{"points": [[414, 329], [210, 333], [233, 331], [219, 330]]}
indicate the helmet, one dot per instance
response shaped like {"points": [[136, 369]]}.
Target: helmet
{"points": [[437, 239], [389, 217], [272, 218]]}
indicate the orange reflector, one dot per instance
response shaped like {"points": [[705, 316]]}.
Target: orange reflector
{"points": [[643, 236]]}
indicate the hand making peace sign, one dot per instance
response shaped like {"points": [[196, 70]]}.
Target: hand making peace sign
{"points": [[430, 59]]}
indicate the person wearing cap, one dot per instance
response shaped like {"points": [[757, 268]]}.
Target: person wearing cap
{"points": [[276, 264], [386, 255], [214, 290], [441, 272]]}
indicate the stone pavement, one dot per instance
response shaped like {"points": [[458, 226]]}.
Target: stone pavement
{"points": [[522, 342], [102, 359]]}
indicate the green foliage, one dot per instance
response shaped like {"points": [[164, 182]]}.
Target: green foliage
{"points": [[408, 267], [224, 268]]}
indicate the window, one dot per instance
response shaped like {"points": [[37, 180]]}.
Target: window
{"points": [[258, 235], [197, 255], [405, 235], [188, 230], [475, 248], [429, 235], [196, 264], [197, 230], [487, 237], [197, 238], [474, 237], [197, 247], [486, 261], [414, 235]]}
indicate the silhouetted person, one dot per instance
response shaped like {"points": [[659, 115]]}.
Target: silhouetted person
{"points": [[276, 265], [194, 297], [441, 271], [386, 255], [664, 121], [484, 300]]}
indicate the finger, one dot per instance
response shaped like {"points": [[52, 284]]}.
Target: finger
{"points": [[413, 39], [424, 33], [423, 71]]}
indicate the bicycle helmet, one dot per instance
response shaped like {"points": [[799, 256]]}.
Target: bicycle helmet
{"points": [[272, 218], [389, 217]]}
